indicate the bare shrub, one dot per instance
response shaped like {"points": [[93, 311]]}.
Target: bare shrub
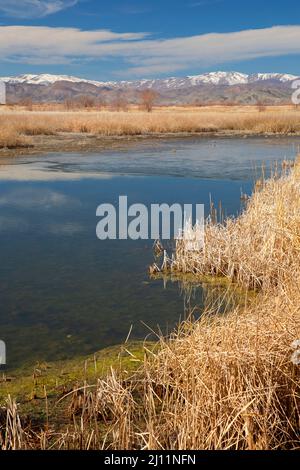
{"points": [[261, 107], [148, 98]]}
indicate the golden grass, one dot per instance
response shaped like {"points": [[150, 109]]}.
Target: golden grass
{"points": [[11, 138], [17, 124], [223, 382], [220, 383], [261, 248]]}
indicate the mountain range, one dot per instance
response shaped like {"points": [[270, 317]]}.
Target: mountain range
{"points": [[212, 87]]}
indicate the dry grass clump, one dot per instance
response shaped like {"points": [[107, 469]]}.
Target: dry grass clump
{"points": [[259, 249], [12, 138], [220, 383], [228, 383], [12, 433]]}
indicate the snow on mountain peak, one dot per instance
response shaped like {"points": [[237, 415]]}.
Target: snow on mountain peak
{"points": [[219, 78], [47, 79], [210, 78], [281, 77]]}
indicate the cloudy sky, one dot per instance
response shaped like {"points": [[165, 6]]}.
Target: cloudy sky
{"points": [[120, 39]]}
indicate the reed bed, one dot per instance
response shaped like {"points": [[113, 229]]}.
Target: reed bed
{"points": [[258, 250], [12, 138], [16, 124], [221, 383], [230, 383]]}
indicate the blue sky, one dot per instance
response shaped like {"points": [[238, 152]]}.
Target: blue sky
{"points": [[113, 40]]}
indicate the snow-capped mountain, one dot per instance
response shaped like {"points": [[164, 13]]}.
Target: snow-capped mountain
{"points": [[211, 78], [220, 78], [280, 77], [46, 79], [212, 87]]}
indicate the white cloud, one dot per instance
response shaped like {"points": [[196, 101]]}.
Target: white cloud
{"points": [[33, 8], [144, 56]]}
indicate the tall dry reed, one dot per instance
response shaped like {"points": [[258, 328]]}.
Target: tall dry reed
{"points": [[259, 249], [14, 124]]}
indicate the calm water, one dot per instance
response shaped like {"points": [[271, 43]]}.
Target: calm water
{"points": [[65, 293]]}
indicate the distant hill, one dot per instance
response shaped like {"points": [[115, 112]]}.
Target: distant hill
{"points": [[221, 87]]}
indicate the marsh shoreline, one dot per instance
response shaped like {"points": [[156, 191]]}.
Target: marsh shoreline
{"points": [[73, 142]]}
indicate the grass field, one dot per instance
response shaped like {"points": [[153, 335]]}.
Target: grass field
{"points": [[19, 127]]}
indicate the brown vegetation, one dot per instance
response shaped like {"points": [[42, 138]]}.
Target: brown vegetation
{"points": [[259, 249], [148, 98], [15, 125], [261, 107]]}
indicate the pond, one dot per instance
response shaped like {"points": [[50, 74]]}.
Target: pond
{"points": [[65, 293]]}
